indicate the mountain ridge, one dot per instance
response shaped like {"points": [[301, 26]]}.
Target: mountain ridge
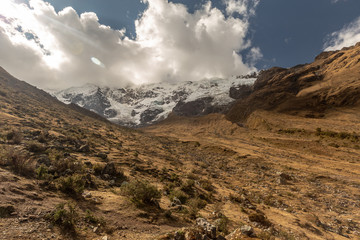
{"points": [[148, 104], [332, 80]]}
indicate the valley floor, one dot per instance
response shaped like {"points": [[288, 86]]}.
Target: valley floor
{"points": [[284, 176], [302, 173]]}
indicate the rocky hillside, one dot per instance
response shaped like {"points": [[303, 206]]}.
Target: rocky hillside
{"points": [[148, 104], [332, 80], [67, 173]]}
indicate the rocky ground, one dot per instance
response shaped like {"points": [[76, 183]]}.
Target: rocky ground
{"points": [[299, 176], [277, 177]]}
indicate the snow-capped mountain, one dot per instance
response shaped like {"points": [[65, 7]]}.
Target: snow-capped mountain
{"points": [[147, 104]]}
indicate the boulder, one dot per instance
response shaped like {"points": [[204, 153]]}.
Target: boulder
{"points": [[247, 230], [209, 229]]}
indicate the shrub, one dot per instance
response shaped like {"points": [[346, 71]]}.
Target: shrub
{"points": [[197, 202], [223, 225], [188, 187], [98, 169], [207, 185], [64, 216], [42, 173], [168, 214], [14, 136], [72, 185], [182, 196], [42, 138], [194, 206], [35, 147], [193, 176], [91, 218], [175, 179], [141, 192], [259, 218], [18, 161], [62, 164]]}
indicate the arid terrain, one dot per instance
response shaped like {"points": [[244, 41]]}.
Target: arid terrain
{"points": [[284, 163]]}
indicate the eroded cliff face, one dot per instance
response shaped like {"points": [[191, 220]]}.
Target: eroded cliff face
{"points": [[332, 80]]}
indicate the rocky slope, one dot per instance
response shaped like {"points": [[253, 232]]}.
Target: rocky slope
{"points": [[148, 104], [66, 173], [332, 80]]}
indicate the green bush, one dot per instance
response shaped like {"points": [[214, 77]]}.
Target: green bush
{"points": [[64, 216], [223, 225], [141, 192], [42, 173], [182, 196], [72, 185], [91, 218]]}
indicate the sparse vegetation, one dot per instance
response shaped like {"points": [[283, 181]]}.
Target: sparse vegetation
{"points": [[42, 173], [177, 193], [207, 185], [340, 135], [223, 224], [291, 130], [188, 187], [64, 216], [63, 162], [35, 147], [91, 218], [72, 185], [19, 161], [14, 136], [141, 192]]}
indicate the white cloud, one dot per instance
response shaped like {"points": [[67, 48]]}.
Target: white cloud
{"points": [[58, 50], [254, 55], [243, 7], [347, 36]]}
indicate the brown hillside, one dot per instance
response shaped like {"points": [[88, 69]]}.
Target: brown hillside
{"points": [[297, 139], [332, 80], [68, 174]]}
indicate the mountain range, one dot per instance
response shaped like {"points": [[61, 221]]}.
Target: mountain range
{"points": [[271, 156], [148, 104]]}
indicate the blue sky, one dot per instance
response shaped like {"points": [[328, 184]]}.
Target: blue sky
{"points": [[74, 42], [288, 32]]}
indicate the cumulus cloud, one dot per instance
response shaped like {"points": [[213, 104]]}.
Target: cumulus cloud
{"points": [[347, 36], [62, 49]]}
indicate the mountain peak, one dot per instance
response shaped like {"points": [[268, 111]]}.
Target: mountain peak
{"points": [[146, 104]]}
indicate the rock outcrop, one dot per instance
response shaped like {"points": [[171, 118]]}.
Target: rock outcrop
{"points": [[332, 80]]}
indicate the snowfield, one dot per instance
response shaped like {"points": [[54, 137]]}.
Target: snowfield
{"points": [[147, 104]]}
